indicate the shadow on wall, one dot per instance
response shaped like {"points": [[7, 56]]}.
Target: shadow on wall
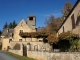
{"points": [[45, 40], [0, 47], [63, 45]]}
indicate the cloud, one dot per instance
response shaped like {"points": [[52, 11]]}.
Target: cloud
{"points": [[47, 15], [54, 14]]}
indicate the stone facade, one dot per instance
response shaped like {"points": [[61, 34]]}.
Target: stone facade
{"points": [[33, 46], [6, 44], [12, 35], [31, 21], [72, 22], [21, 27]]}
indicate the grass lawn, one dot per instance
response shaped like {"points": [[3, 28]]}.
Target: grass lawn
{"points": [[19, 57]]}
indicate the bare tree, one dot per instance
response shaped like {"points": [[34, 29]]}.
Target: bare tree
{"points": [[67, 8], [49, 20]]}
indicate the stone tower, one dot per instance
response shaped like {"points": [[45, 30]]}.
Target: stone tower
{"points": [[31, 21]]}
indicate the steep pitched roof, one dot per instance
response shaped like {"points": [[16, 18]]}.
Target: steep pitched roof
{"points": [[6, 32], [22, 22], [31, 15], [70, 13]]}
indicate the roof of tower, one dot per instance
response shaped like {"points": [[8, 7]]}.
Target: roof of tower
{"points": [[31, 15]]}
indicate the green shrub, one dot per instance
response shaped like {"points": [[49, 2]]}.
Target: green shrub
{"points": [[72, 38]]}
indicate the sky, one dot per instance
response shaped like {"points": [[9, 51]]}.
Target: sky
{"points": [[11, 10]]}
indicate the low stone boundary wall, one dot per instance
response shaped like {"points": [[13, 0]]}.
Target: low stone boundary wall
{"points": [[54, 56], [18, 52]]}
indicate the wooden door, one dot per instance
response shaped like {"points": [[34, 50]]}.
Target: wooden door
{"points": [[24, 51]]}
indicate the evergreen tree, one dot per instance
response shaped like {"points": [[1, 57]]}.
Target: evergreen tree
{"points": [[5, 26], [0, 32], [14, 24], [10, 25]]}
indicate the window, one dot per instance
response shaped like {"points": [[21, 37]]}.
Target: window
{"points": [[8, 47], [28, 46], [20, 40], [63, 28], [11, 34], [73, 21], [78, 21], [30, 18], [21, 31], [40, 40], [10, 40], [36, 47]]}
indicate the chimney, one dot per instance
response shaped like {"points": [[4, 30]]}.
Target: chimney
{"points": [[7, 30]]}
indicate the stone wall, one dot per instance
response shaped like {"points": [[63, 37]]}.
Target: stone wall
{"points": [[5, 43], [54, 56], [77, 30], [18, 52], [33, 45], [43, 55]]}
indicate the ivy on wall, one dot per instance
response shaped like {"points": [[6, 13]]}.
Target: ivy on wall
{"points": [[33, 34], [72, 38]]}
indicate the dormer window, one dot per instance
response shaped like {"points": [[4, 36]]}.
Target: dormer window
{"points": [[7, 30]]}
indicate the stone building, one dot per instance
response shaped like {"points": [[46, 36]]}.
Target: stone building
{"points": [[11, 36], [72, 21]]}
